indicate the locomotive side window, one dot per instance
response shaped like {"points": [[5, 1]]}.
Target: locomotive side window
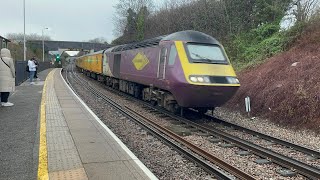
{"points": [[203, 53], [163, 55], [162, 63], [116, 65], [173, 54]]}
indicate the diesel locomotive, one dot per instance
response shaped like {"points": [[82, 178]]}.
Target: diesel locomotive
{"points": [[186, 69]]}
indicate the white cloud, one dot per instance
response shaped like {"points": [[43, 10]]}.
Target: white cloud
{"points": [[72, 20]]}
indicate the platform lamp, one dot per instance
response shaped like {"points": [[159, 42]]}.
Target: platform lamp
{"points": [[43, 43]]}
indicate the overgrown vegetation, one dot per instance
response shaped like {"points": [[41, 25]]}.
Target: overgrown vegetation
{"points": [[285, 89], [249, 29], [252, 47]]}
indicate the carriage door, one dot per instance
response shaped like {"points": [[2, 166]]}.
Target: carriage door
{"points": [[162, 63], [104, 64], [116, 65]]}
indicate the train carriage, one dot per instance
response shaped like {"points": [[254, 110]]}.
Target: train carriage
{"points": [[184, 69]]}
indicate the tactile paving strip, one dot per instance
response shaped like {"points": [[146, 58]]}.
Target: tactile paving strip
{"points": [[63, 160], [59, 137], [59, 128], [55, 122], [57, 143], [77, 174], [54, 116]]}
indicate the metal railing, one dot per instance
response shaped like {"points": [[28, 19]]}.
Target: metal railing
{"points": [[22, 74]]}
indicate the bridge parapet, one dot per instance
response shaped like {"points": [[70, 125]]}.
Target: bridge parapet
{"points": [[55, 45]]}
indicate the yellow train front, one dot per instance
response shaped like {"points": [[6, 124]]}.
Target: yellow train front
{"points": [[203, 78], [185, 69]]}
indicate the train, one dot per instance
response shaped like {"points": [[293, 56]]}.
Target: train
{"points": [[186, 69]]}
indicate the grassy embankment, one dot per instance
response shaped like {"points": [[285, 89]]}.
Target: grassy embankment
{"points": [[279, 71]]}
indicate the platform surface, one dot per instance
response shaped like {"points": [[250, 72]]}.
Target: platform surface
{"points": [[74, 143], [19, 132]]}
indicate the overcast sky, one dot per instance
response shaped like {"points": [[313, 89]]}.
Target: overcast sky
{"points": [[70, 20]]}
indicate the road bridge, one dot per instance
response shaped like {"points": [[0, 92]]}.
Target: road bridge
{"points": [[55, 45]]}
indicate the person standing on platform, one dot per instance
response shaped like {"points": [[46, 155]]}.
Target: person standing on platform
{"points": [[7, 76], [32, 69], [36, 72]]}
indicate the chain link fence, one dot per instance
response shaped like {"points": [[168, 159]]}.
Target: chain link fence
{"points": [[22, 74]]}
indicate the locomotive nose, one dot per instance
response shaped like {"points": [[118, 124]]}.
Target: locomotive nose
{"points": [[203, 96]]}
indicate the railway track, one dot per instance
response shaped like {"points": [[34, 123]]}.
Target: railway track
{"points": [[305, 150], [302, 168], [208, 162]]}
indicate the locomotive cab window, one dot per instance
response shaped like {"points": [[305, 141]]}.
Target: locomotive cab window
{"points": [[206, 53]]}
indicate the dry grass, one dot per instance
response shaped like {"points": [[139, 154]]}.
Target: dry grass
{"points": [[287, 95]]}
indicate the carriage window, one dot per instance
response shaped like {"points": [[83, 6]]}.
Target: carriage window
{"points": [[173, 54]]}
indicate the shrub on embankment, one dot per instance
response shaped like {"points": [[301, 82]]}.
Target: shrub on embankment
{"points": [[286, 88], [253, 47]]}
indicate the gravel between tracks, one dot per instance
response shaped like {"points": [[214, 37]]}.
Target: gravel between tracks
{"points": [[161, 164], [304, 138]]}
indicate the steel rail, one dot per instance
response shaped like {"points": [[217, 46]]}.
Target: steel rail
{"points": [[155, 127], [305, 150], [238, 173], [305, 169]]}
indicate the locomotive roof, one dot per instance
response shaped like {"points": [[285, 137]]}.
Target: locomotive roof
{"points": [[191, 36], [188, 36], [93, 53]]}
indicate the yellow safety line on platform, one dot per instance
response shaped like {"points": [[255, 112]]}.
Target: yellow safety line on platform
{"points": [[43, 154]]}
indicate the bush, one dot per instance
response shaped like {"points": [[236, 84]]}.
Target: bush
{"points": [[252, 48]]}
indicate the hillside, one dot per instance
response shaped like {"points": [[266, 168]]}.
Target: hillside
{"points": [[286, 88]]}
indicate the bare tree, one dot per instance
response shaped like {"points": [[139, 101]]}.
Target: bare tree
{"points": [[304, 9], [120, 17], [18, 37], [98, 40]]}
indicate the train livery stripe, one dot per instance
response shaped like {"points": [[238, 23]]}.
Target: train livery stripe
{"points": [[202, 69]]}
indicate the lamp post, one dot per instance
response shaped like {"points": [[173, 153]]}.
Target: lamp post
{"points": [[43, 44], [24, 31]]}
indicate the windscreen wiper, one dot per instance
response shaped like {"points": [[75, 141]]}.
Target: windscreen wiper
{"points": [[204, 58], [211, 61]]}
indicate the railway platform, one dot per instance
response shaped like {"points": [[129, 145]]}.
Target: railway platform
{"points": [[51, 134]]}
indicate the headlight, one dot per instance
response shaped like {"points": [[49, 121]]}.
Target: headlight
{"points": [[233, 80], [200, 79], [193, 79], [206, 79]]}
